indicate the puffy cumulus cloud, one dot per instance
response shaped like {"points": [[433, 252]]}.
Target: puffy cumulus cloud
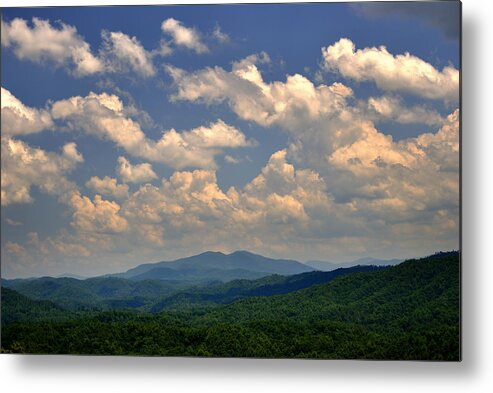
{"points": [[24, 166], [96, 216], [406, 181], [195, 148], [442, 147], [190, 209], [19, 119], [134, 173], [290, 104], [372, 184], [107, 187], [105, 116], [184, 36], [59, 45], [63, 46], [365, 168], [406, 73], [101, 115], [122, 53], [284, 210], [374, 150], [392, 108]]}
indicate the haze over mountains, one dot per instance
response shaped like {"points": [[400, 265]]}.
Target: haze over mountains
{"points": [[328, 266], [207, 277], [215, 266], [212, 266]]}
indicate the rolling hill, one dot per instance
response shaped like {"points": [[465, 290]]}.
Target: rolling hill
{"points": [[17, 307], [414, 294], [93, 293], [229, 292]]}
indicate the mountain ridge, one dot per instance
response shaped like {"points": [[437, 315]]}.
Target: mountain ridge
{"points": [[364, 261], [240, 261]]}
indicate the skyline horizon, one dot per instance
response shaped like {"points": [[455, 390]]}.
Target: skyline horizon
{"points": [[78, 276]]}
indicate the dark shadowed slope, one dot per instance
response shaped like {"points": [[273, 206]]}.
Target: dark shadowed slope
{"points": [[17, 307], [229, 292]]}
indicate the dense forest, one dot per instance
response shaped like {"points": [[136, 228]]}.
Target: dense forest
{"points": [[408, 311]]}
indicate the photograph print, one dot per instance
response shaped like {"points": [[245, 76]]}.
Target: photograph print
{"points": [[232, 180]]}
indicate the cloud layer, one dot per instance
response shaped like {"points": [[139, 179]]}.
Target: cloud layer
{"points": [[339, 184], [405, 73], [290, 104], [106, 117]]}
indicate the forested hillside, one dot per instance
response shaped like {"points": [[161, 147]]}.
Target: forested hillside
{"points": [[410, 311]]}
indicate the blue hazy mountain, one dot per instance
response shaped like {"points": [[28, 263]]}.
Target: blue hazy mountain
{"points": [[225, 293], [367, 261], [216, 266]]}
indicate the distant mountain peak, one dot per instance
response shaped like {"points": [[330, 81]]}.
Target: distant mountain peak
{"points": [[215, 265]]}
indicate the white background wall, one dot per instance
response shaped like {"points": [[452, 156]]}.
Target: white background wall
{"points": [[95, 374]]}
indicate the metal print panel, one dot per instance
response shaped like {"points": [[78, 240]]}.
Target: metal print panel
{"points": [[264, 180]]}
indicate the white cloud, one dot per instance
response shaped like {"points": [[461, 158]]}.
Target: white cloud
{"points": [[164, 49], [406, 73], [62, 46], [405, 181], [290, 104], [105, 116], [184, 36], [13, 222], [392, 108], [24, 166], [121, 53], [96, 216], [129, 173], [372, 180], [108, 187], [231, 160], [42, 42], [190, 210], [340, 184], [220, 36], [19, 119]]}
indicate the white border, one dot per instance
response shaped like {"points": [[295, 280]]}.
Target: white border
{"points": [[94, 374]]}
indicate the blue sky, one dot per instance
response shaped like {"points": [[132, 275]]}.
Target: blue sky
{"points": [[309, 131]]}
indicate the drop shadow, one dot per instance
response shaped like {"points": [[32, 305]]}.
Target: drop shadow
{"points": [[33, 365]]}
